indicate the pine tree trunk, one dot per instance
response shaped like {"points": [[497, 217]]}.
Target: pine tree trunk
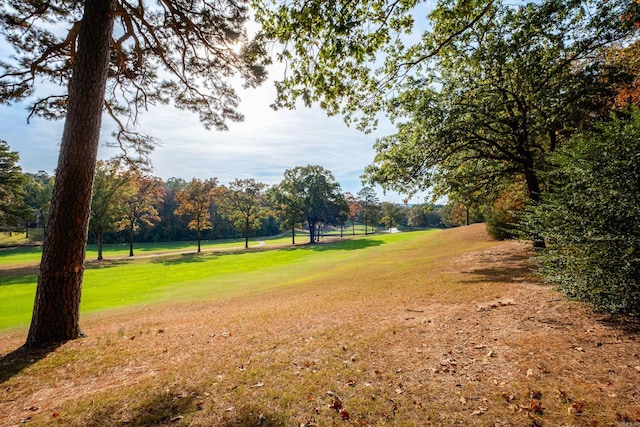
{"points": [[57, 302]]}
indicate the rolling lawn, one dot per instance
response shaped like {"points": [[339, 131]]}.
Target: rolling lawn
{"points": [[209, 275], [435, 328]]}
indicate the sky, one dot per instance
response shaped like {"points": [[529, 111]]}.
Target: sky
{"points": [[262, 147]]}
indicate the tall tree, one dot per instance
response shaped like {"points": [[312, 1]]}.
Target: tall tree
{"points": [[314, 191], [416, 216], [12, 182], [368, 200], [107, 201], [499, 100], [38, 191], [486, 94], [194, 202], [354, 209], [140, 198], [244, 204], [154, 53]]}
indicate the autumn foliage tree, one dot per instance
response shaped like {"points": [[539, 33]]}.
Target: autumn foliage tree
{"points": [[194, 202], [117, 57], [244, 203], [140, 198]]}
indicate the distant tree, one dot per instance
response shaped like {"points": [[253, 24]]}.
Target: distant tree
{"points": [[340, 212], [368, 200], [12, 182], [141, 196], [173, 227], [354, 209], [116, 57], [391, 214], [244, 204], [590, 219], [107, 201], [38, 192], [194, 202], [314, 191], [627, 61], [416, 216], [289, 210]]}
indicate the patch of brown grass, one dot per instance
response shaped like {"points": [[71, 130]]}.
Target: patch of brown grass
{"points": [[449, 329]]}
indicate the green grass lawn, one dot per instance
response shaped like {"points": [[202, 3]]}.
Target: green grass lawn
{"points": [[206, 276], [19, 256]]}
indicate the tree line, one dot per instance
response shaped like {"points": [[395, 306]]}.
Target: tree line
{"points": [[130, 206]]}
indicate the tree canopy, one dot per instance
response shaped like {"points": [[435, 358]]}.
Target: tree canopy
{"points": [[244, 204], [12, 182], [313, 192], [194, 202]]}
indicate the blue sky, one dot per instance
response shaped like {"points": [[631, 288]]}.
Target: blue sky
{"points": [[262, 147]]}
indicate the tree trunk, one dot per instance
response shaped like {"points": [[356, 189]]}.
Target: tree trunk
{"points": [[131, 239], [99, 235], [56, 310], [533, 187], [198, 240], [312, 232], [293, 235]]}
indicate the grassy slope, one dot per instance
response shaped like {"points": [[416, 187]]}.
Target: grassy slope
{"points": [[443, 329], [124, 283]]}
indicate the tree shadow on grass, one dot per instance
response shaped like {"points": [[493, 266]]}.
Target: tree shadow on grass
{"points": [[342, 245], [167, 408], [171, 408], [187, 258], [510, 268], [13, 363]]}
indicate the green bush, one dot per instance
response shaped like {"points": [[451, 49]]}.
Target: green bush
{"points": [[590, 218]]}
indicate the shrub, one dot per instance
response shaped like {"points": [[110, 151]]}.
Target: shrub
{"points": [[590, 218]]}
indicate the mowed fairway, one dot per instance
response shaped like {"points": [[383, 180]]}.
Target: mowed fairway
{"points": [[436, 328]]}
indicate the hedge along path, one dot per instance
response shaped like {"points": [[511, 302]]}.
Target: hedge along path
{"points": [[441, 329]]}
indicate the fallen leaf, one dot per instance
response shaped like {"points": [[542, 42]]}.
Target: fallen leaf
{"points": [[344, 414], [480, 411]]}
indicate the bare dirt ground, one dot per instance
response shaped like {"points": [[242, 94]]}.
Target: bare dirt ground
{"points": [[452, 330]]}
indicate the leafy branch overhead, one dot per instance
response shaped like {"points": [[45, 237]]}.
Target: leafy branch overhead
{"points": [[355, 57], [163, 51]]}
